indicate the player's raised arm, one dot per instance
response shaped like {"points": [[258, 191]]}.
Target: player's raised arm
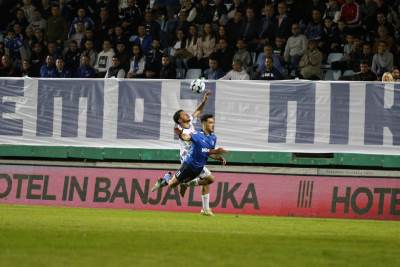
{"points": [[200, 107], [219, 158]]}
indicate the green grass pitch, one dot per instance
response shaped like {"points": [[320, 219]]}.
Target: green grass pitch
{"points": [[51, 236]]}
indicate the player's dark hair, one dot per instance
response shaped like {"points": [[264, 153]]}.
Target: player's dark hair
{"points": [[177, 115], [205, 117]]}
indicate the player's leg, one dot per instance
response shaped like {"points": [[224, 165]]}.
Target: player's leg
{"points": [[161, 182], [204, 178]]}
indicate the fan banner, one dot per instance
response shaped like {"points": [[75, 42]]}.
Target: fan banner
{"points": [[287, 116], [237, 193]]}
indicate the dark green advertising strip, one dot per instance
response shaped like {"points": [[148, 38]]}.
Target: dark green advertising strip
{"points": [[270, 158]]}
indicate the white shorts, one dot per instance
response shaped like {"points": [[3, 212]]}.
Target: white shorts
{"points": [[204, 173]]}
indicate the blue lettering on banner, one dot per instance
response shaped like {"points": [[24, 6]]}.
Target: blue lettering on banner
{"points": [[70, 92], [150, 92], [377, 116], [340, 98], [280, 95], [10, 88]]}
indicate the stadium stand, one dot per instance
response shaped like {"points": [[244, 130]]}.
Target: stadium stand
{"points": [[189, 31]]}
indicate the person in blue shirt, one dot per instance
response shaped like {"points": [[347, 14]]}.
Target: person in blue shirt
{"points": [[203, 146], [85, 70], [62, 71], [48, 70]]}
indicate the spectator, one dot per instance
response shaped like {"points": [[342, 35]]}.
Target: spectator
{"points": [[241, 53], [234, 27], [138, 62], [37, 58], [204, 13], [387, 77], [153, 58], [282, 22], [56, 26], [152, 27], [276, 61], [383, 35], [115, 70], [85, 70], [267, 31], [314, 29], [296, 46], [19, 18], [396, 74], [48, 70], [37, 21], [214, 72], [142, 39], [131, 16], [279, 47], [207, 44], [72, 56], [26, 69], [89, 36], [150, 72], [330, 40], [28, 9], [79, 33], [85, 21], [123, 56], [332, 11], [382, 21], [220, 13], [237, 72], [119, 36], [368, 11], [365, 73], [350, 13], [365, 55], [61, 70], [104, 59], [250, 29], [224, 55], [15, 48], [189, 8], [193, 47], [168, 70], [174, 24], [178, 51], [7, 68], [310, 63], [382, 61], [270, 72], [236, 7], [39, 37], [103, 26], [52, 50], [29, 39], [90, 52]]}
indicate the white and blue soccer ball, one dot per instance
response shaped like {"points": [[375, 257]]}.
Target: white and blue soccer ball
{"points": [[198, 86]]}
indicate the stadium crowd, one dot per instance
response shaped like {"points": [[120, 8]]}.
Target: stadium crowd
{"points": [[217, 39]]}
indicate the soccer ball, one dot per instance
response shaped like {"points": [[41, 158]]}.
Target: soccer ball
{"points": [[198, 86]]}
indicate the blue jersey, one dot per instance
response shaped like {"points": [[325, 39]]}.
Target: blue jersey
{"points": [[201, 145]]}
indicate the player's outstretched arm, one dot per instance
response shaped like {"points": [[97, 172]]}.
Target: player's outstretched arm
{"points": [[219, 158], [215, 151], [200, 107]]}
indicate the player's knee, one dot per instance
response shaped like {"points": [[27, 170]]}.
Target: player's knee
{"points": [[210, 179]]}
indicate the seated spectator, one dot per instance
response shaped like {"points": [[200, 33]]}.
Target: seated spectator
{"points": [[103, 26], [214, 72], [72, 56], [237, 72], [115, 70], [330, 40], [234, 27], [350, 13], [314, 29], [142, 39], [365, 55], [251, 29], [15, 48], [123, 56], [90, 52], [296, 46], [138, 62], [61, 70], [332, 11], [7, 69], [37, 21], [220, 13], [153, 58], [365, 73], [85, 21], [260, 63], [204, 13], [382, 60], [387, 77], [56, 26], [193, 47], [48, 70], [89, 35], [131, 15], [28, 9], [178, 50], [396, 74], [207, 44], [26, 69], [279, 46], [85, 70], [241, 53], [237, 6], [190, 9], [119, 36], [267, 32], [368, 11], [168, 70], [152, 27], [224, 55], [104, 59], [310, 63], [283, 22], [79, 33], [38, 57], [383, 35], [53, 50], [150, 73], [270, 72]]}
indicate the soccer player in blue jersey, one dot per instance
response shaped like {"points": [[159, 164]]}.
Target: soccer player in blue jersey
{"points": [[203, 146]]}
